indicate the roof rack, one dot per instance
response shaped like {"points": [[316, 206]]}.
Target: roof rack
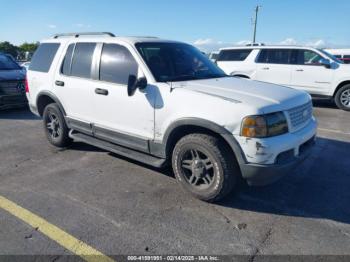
{"points": [[76, 35]]}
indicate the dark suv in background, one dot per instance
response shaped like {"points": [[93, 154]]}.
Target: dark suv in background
{"points": [[12, 83]]}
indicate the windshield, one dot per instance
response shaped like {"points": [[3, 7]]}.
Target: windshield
{"points": [[177, 62], [331, 56], [7, 63]]}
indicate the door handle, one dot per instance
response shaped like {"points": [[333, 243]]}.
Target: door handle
{"points": [[100, 91], [266, 68], [59, 83], [300, 70]]}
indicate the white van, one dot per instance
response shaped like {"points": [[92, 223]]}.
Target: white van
{"points": [[304, 68]]}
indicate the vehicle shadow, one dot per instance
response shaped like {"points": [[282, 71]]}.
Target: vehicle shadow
{"points": [[318, 188], [325, 103], [18, 114]]}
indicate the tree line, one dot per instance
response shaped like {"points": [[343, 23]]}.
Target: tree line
{"points": [[18, 52]]}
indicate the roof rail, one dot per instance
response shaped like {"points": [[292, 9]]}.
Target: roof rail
{"points": [[76, 35]]}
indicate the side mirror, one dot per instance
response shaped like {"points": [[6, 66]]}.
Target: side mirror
{"points": [[134, 83], [325, 62]]}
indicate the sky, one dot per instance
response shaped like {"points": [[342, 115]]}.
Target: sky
{"points": [[208, 24]]}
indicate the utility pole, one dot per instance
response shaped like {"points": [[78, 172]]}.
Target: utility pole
{"points": [[256, 22]]}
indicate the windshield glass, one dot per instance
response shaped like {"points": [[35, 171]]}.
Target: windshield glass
{"points": [[177, 62], [7, 63], [331, 56]]}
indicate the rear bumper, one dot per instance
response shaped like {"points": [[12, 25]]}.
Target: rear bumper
{"points": [[260, 175], [13, 101]]}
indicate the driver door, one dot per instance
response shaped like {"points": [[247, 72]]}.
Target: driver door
{"points": [[122, 119]]}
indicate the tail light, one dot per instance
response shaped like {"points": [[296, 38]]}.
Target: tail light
{"points": [[26, 85]]}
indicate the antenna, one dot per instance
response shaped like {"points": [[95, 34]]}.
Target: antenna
{"points": [[255, 22]]}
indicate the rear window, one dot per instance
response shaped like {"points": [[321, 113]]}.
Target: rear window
{"points": [[82, 60], [43, 57], [7, 63], [234, 55], [275, 56]]}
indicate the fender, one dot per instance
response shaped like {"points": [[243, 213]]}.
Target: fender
{"points": [[162, 148], [53, 97]]}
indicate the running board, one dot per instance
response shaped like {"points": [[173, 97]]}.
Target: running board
{"points": [[135, 155]]}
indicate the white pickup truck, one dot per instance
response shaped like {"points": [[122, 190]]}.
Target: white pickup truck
{"points": [[159, 102]]}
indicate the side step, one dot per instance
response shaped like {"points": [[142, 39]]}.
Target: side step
{"points": [[135, 155]]}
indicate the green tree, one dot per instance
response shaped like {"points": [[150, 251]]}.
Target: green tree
{"points": [[8, 48], [28, 47]]}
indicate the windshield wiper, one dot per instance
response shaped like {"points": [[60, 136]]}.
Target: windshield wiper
{"points": [[182, 78]]}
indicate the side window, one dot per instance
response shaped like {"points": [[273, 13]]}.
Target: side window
{"points": [[308, 57], [274, 56], [346, 59], [66, 65], [234, 55], [43, 57], [82, 60], [117, 64]]}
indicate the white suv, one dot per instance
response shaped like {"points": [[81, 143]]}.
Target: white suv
{"points": [[159, 102], [310, 69]]}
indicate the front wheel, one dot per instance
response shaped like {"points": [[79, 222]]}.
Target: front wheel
{"points": [[55, 126], [342, 98], [204, 166]]}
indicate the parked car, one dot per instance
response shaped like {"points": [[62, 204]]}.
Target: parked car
{"points": [[340, 53], [12, 83], [304, 68], [213, 56], [159, 102], [25, 65]]}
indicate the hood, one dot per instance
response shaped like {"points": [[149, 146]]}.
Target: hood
{"points": [[265, 97], [8, 75]]}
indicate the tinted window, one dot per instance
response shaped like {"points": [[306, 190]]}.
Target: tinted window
{"points": [[177, 62], [308, 57], [234, 55], [7, 63], [117, 64], [82, 60], [43, 57], [275, 56], [337, 56], [66, 65]]}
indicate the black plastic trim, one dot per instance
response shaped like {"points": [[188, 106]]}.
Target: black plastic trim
{"points": [[53, 97]]}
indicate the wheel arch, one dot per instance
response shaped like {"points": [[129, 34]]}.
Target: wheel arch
{"points": [[346, 82], [44, 98], [186, 126]]}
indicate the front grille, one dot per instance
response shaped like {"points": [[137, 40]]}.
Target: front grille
{"points": [[299, 116], [12, 87]]}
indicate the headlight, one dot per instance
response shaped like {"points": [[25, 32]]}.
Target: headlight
{"points": [[265, 125]]}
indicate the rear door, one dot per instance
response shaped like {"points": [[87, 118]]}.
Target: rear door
{"points": [[74, 84], [309, 74], [273, 66]]}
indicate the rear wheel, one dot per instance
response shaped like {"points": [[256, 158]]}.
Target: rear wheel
{"points": [[342, 98], [55, 126], [205, 167]]}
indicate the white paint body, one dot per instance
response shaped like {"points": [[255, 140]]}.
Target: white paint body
{"points": [[149, 113], [316, 80]]}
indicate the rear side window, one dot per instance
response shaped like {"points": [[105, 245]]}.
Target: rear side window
{"points": [[66, 65], [234, 55], [43, 57], [82, 60], [117, 64], [275, 56]]}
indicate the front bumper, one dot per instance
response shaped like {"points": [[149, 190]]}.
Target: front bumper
{"points": [[264, 161], [261, 175], [13, 101]]}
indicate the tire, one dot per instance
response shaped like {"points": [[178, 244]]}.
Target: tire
{"points": [[205, 167], [342, 98], [55, 126]]}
